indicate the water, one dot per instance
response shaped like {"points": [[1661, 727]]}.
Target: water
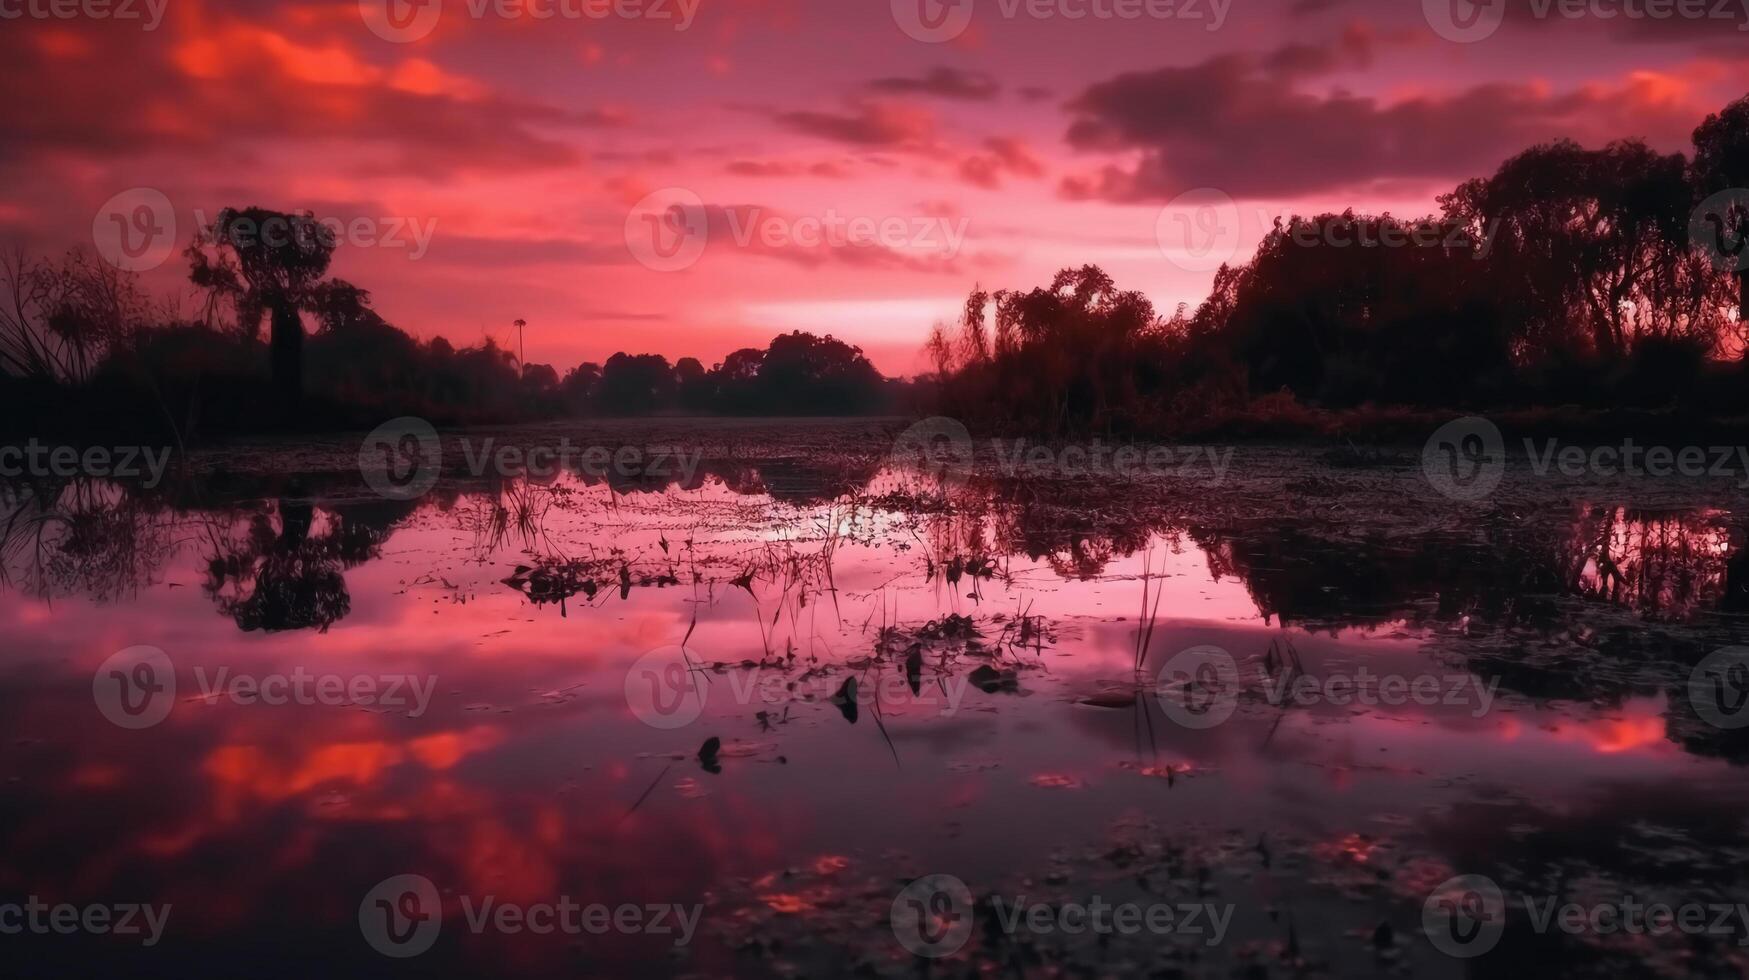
{"points": [[508, 687]]}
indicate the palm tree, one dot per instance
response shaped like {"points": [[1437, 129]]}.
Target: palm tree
{"points": [[266, 262]]}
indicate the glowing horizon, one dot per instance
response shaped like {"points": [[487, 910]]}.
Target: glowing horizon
{"points": [[509, 152]]}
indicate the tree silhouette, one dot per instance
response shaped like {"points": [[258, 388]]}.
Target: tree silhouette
{"points": [[1721, 163], [266, 262], [1587, 244], [1059, 359]]}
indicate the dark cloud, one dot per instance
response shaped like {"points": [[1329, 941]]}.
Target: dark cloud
{"points": [[945, 83], [1353, 50], [1239, 123], [1680, 21], [873, 124]]}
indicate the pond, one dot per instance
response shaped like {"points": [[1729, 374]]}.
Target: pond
{"points": [[790, 706]]}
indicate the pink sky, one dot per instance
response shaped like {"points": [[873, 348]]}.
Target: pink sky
{"points": [[523, 144]]}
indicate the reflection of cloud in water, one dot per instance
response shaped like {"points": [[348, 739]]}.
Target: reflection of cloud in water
{"points": [[523, 778]]}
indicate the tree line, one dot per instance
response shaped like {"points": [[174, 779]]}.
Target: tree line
{"points": [[1604, 277], [278, 344]]}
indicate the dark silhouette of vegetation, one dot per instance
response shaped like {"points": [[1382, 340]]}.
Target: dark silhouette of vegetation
{"points": [[1574, 277], [1569, 277], [83, 348], [257, 262], [1721, 166]]}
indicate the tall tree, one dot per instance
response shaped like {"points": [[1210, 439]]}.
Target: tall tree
{"points": [[1721, 167], [269, 263], [1585, 243]]}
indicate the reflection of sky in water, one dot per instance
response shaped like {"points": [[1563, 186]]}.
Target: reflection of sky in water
{"points": [[529, 777]]}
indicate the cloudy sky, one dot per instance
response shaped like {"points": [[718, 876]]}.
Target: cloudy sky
{"points": [[692, 176]]}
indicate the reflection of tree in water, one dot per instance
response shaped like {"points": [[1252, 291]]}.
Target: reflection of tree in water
{"points": [[1664, 566], [1055, 524], [290, 579], [81, 537], [1076, 544]]}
